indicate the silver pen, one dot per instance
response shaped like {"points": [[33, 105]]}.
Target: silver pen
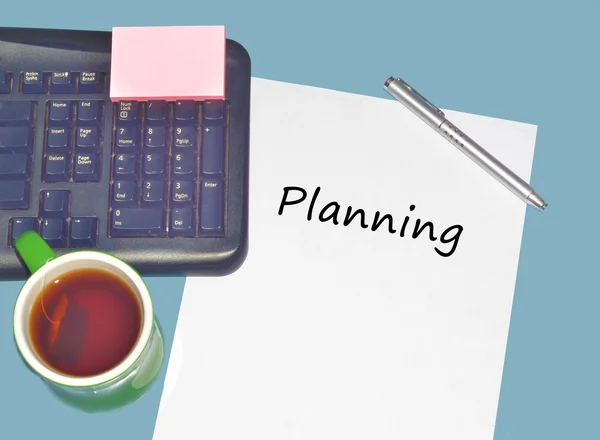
{"points": [[436, 119]]}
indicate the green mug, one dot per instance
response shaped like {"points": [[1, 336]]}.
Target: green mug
{"points": [[122, 383]]}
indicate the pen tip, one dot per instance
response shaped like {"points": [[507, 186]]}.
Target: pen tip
{"points": [[535, 200], [389, 81]]}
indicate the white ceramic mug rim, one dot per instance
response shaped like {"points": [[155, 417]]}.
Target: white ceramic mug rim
{"points": [[20, 320]]}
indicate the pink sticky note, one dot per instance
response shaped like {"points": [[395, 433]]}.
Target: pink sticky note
{"points": [[168, 62]]}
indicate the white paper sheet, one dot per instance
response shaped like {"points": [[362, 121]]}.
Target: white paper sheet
{"points": [[340, 332]]}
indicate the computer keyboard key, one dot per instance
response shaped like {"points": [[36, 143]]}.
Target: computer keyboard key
{"points": [[213, 111], [183, 223], [59, 113], [184, 165], [185, 111], [89, 112], [54, 232], [84, 232], [16, 140], [33, 83], [14, 194], [127, 139], [57, 140], [128, 111], [55, 204], [16, 112], [56, 168], [153, 193], [213, 150], [211, 208], [62, 82], [5, 82], [156, 137], [88, 139], [184, 136], [156, 111], [154, 165], [15, 166], [138, 222], [86, 167], [183, 193], [19, 225], [125, 193], [126, 167], [91, 82]]}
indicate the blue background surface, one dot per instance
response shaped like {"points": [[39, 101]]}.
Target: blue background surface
{"points": [[534, 61]]}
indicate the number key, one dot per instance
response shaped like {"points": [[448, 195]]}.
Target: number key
{"points": [[153, 193], [126, 140], [125, 193], [184, 137], [184, 165], [136, 222], [154, 165], [126, 167], [183, 193], [156, 137]]}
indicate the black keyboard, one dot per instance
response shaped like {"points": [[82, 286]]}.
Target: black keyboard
{"points": [[161, 185]]}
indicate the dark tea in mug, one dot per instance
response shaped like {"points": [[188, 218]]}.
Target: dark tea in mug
{"points": [[85, 322]]}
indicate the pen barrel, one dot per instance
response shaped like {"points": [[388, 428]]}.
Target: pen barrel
{"points": [[485, 160], [416, 103]]}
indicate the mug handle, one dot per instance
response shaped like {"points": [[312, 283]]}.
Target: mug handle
{"points": [[34, 251]]}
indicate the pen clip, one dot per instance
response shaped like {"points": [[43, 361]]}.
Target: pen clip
{"points": [[421, 97]]}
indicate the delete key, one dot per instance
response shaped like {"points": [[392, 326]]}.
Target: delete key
{"points": [[168, 63]]}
